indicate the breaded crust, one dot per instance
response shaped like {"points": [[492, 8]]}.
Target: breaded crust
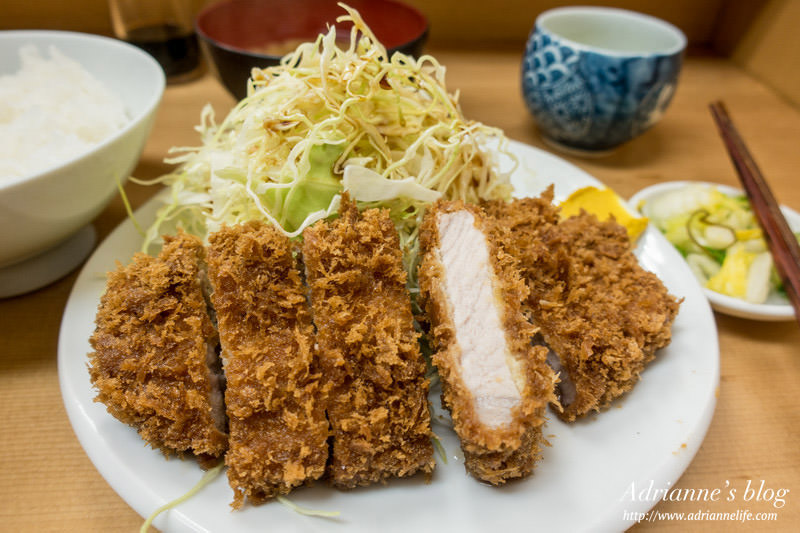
{"points": [[597, 308], [378, 407], [492, 454], [152, 338], [275, 404]]}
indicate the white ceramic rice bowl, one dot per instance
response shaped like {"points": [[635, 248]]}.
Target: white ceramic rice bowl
{"points": [[40, 210]]}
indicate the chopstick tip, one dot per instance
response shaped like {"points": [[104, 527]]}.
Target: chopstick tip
{"points": [[718, 108]]}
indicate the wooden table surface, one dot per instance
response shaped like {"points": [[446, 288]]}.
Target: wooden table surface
{"points": [[47, 483]]}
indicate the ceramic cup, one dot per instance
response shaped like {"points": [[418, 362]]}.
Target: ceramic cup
{"points": [[595, 78]]}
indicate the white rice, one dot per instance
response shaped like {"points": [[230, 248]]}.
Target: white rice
{"points": [[52, 110]]}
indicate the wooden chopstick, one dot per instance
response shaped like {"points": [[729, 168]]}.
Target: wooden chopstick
{"points": [[780, 239]]}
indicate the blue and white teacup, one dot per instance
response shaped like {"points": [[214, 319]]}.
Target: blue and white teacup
{"points": [[596, 77]]}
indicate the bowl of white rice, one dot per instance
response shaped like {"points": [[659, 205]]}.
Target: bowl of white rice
{"points": [[75, 112]]}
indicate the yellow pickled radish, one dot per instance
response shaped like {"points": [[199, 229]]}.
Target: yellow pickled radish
{"points": [[732, 277], [603, 203], [748, 234]]}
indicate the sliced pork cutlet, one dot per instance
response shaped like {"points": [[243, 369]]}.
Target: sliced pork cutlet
{"points": [[155, 363], [495, 383], [600, 312], [378, 406], [275, 405]]}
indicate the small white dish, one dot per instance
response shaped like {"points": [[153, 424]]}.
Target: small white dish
{"points": [[777, 306]]}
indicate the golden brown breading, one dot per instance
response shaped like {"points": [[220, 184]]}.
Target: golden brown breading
{"points": [[378, 406], [275, 405], [152, 343], [597, 308], [498, 452]]}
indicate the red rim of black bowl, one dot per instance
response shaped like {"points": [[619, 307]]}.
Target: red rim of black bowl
{"points": [[238, 17], [232, 64]]}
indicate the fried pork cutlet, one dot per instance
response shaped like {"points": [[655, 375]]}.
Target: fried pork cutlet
{"points": [[155, 364], [602, 315], [378, 407], [495, 383], [275, 405]]}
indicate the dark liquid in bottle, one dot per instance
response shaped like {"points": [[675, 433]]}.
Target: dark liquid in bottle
{"points": [[176, 50]]}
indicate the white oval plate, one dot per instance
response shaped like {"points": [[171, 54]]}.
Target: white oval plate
{"points": [[584, 482], [777, 306]]}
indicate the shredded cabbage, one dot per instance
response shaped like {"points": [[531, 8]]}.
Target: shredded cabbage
{"points": [[209, 476], [305, 510], [327, 120], [439, 448]]}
